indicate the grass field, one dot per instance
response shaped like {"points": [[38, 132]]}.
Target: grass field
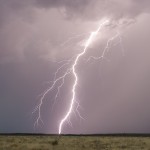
{"points": [[70, 142]]}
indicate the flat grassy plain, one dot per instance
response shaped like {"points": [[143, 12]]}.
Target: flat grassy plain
{"points": [[71, 142]]}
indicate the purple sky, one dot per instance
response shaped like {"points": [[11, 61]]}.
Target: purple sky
{"points": [[114, 95]]}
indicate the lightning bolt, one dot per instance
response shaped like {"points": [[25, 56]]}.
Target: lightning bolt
{"points": [[59, 80], [90, 39]]}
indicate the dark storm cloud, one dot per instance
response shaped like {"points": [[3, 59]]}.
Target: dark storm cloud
{"points": [[87, 9], [11, 9], [17, 17]]}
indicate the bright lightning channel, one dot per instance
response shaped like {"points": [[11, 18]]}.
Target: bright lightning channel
{"points": [[90, 39]]}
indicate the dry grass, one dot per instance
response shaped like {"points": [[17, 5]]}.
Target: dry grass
{"points": [[37, 142]]}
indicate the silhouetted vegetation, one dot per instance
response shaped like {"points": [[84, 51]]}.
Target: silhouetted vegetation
{"points": [[55, 142]]}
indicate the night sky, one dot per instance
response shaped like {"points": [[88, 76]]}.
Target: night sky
{"points": [[114, 94]]}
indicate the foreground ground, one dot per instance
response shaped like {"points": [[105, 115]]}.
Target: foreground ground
{"points": [[48, 142]]}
